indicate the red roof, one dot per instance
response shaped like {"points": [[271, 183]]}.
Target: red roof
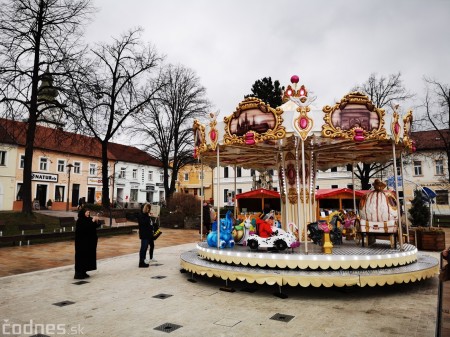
{"points": [[431, 140], [259, 194], [14, 132], [331, 192]]}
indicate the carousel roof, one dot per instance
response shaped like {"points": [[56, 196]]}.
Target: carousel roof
{"points": [[256, 135]]}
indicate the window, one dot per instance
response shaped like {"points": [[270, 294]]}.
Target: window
{"points": [[122, 173], [19, 191], [43, 164], [270, 172], [252, 172], [134, 173], [349, 167], [225, 195], [225, 172], [133, 195], [76, 167], [334, 186], [150, 175], [239, 190], [142, 175], [200, 175], [417, 168], [238, 172], [333, 169], [439, 167], [186, 177], [442, 197], [92, 169], [2, 158], [59, 193], [350, 186], [61, 165], [161, 176], [22, 161]]}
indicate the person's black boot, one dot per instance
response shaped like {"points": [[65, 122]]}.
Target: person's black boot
{"points": [[79, 276], [142, 264]]}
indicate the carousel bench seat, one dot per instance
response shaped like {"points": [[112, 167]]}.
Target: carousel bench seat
{"points": [[370, 230]]}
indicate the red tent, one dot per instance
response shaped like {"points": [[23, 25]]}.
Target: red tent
{"points": [[254, 201]]}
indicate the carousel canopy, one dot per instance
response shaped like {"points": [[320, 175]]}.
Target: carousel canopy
{"points": [[257, 135]]}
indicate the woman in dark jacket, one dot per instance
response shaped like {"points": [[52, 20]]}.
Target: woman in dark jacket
{"points": [[85, 244], [146, 231]]}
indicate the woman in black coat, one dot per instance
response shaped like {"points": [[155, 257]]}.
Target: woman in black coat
{"points": [[146, 232], [85, 244]]}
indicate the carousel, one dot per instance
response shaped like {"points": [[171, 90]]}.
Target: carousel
{"points": [[365, 247]]}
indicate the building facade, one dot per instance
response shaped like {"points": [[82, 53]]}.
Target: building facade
{"points": [[67, 167]]}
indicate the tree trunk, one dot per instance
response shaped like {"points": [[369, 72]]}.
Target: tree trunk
{"points": [[105, 180]]}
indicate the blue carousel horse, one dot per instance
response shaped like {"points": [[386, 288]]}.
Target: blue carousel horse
{"points": [[316, 229], [226, 236]]}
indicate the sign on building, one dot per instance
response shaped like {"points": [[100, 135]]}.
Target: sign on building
{"points": [[36, 176]]}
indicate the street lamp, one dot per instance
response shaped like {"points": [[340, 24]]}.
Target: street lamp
{"points": [[69, 166]]}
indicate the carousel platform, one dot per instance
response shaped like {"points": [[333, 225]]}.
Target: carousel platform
{"points": [[348, 265]]}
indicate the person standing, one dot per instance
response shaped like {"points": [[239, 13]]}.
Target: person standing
{"points": [[146, 232], [206, 218], [85, 244]]}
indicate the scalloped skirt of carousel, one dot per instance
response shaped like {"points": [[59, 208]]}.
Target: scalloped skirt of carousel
{"points": [[348, 265]]}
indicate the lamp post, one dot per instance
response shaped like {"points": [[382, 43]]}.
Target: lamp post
{"points": [[68, 187]]}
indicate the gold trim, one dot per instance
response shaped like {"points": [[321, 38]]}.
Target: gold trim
{"points": [[396, 136], [199, 138], [330, 130], [303, 114], [213, 128], [251, 103], [407, 121]]}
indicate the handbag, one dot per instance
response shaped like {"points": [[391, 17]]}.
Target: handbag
{"points": [[157, 234]]}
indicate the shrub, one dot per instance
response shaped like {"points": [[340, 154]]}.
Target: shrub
{"points": [[419, 213]]}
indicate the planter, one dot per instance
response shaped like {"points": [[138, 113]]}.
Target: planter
{"points": [[427, 239]]}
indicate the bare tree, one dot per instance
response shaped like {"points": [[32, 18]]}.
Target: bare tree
{"points": [[436, 105], [383, 92], [36, 38], [167, 121], [116, 84]]}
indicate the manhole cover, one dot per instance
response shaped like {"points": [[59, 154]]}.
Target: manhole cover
{"points": [[168, 327], [63, 303], [159, 277], [282, 317], [162, 296]]}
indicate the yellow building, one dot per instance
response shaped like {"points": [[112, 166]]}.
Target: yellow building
{"points": [[189, 180]]}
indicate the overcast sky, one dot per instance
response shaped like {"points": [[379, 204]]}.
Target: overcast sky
{"points": [[331, 45]]}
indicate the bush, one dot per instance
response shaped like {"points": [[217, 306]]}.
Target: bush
{"points": [[419, 213], [186, 204]]}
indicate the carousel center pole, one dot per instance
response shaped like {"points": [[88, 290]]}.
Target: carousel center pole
{"points": [[218, 196], [399, 216]]}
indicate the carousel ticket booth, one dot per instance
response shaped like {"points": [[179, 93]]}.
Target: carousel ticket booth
{"points": [[297, 140]]}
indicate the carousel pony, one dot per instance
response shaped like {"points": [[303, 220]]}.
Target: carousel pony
{"points": [[226, 237], [316, 229]]}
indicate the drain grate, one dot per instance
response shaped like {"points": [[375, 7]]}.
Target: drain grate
{"points": [[63, 303], [159, 277], [80, 282], [282, 317], [162, 296], [168, 327]]}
